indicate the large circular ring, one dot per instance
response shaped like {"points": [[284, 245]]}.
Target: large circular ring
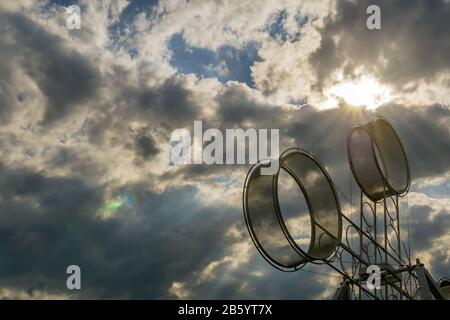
{"points": [[271, 231], [378, 160]]}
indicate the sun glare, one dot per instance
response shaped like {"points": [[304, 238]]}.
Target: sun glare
{"points": [[365, 92]]}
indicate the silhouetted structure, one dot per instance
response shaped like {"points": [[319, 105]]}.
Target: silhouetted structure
{"points": [[380, 167]]}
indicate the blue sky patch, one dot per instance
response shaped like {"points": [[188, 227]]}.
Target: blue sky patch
{"points": [[440, 191], [226, 63], [124, 27], [277, 31]]}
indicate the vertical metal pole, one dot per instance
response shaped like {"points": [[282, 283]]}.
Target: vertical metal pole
{"points": [[360, 238], [385, 241], [398, 228], [397, 209], [375, 236]]}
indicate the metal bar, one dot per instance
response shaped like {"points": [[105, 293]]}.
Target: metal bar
{"points": [[385, 238], [343, 245], [428, 288], [371, 239], [375, 232], [354, 254], [353, 281], [360, 236], [399, 243], [394, 286]]}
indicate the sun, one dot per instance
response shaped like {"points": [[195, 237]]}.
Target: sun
{"points": [[364, 92]]}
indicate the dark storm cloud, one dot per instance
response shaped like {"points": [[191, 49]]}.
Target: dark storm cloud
{"points": [[161, 108], [237, 105], [425, 136], [172, 236], [78, 163], [271, 284], [170, 105], [196, 173], [8, 98], [145, 146], [36, 216], [413, 42], [426, 232], [426, 229], [66, 78], [49, 223]]}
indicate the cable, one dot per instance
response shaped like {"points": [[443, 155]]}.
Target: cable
{"points": [[321, 273], [409, 238], [351, 198], [345, 197]]}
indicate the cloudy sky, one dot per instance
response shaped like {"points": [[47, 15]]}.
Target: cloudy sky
{"points": [[86, 117]]}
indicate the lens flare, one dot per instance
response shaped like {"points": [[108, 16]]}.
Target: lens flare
{"points": [[112, 206]]}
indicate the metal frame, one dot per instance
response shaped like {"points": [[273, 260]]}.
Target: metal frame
{"points": [[308, 202], [407, 281], [255, 240], [302, 253], [368, 128]]}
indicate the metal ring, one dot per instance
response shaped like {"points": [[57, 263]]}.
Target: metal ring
{"points": [[372, 212], [394, 248], [378, 160], [269, 230], [394, 203]]}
